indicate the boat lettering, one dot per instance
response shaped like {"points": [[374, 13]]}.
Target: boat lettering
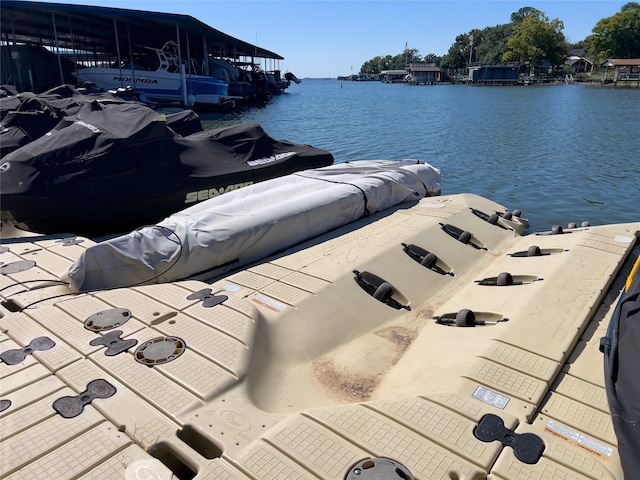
{"points": [[93, 128], [136, 80], [272, 158], [201, 195]]}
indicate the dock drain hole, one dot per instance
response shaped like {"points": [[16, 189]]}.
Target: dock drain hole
{"points": [[198, 442], [162, 451]]}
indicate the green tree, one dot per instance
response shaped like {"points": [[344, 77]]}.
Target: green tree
{"points": [[457, 58], [537, 39], [432, 58], [617, 36], [582, 45], [489, 44], [370, 66], [524, 12], [411, 55], [398, 62], [492, 44], [385, 63]]}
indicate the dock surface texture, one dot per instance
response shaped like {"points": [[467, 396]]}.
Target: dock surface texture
{"points": [[290, 369]]}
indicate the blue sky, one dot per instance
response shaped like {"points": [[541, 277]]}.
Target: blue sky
{"points": [[327, 38]]}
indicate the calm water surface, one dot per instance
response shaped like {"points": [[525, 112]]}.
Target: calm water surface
{"points": [[559, 153]]}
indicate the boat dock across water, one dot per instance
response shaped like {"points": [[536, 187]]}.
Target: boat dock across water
{"points": [[165, 57]]}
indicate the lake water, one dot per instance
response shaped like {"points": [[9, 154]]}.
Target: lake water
{"points": [[561, 154]]}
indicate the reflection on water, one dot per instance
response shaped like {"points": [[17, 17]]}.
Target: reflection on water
{"points": [[559, 153]]}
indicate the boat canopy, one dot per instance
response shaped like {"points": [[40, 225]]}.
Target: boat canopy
{"points": [[31, 23], [97, 36]]}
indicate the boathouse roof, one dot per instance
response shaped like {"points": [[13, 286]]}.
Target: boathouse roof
{"points": [[422, 67], [97, 28], [621, 62]]}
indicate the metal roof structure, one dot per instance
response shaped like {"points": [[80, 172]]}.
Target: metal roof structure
{"points": [[106, 31], [621, 62]]}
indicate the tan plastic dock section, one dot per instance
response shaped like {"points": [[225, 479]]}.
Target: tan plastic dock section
{"points": [[289, 369]]}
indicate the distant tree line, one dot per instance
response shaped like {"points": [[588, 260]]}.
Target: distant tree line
{"points": [[531, 38]]}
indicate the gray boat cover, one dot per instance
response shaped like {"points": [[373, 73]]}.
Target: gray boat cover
{"points": [[621, 348], [248, 224]]}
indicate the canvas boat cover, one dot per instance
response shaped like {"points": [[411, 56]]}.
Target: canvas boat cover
{"points": [[113, 167], [621, 347], [248, 224], [27, 116]]}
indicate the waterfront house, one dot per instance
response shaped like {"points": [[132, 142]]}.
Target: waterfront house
{"points": [[425, 74], [579, 64]]}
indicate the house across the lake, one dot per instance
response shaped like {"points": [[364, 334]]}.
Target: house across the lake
{"points": [[494, 74], [425, 74], [579, 64]]}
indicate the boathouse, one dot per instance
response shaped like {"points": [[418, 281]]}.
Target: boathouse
{"points": [[42, 42], [425, 74], [494, 74], [625, 70], [393, 76]]}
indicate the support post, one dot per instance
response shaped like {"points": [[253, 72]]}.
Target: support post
{"points": [[55, 34], [115, 28], [133, 71], [206, 54]]}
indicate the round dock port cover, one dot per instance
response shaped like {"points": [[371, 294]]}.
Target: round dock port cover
{"points": [[107, 319], [17, 267], [378, 469], [159, 350]]}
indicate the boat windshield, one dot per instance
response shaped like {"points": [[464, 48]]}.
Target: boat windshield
{"points": [[141, 61]]}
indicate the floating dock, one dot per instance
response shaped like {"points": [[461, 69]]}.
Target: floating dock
{"points": [[292, 369]]}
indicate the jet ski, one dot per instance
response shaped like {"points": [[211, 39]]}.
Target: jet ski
{"points": [[113, 167]]}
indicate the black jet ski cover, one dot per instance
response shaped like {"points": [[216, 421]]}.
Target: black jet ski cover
{"points": [[19, 128], [621, 349], [28, 116], [115, 167], [184, 123]]}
